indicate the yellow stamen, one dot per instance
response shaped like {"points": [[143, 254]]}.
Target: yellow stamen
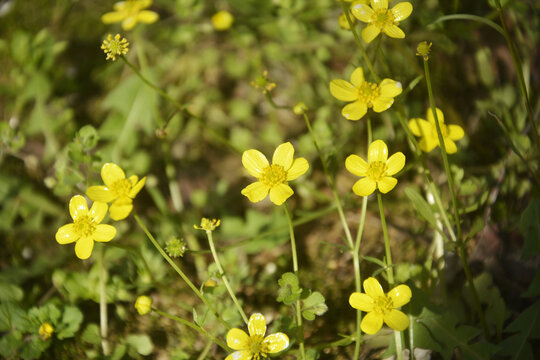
{"points": [[376, 170], [84, 226], [273, 175], [367, 93]]}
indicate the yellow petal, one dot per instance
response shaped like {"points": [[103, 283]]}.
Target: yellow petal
{"points": [[357, 77], [276, 342], [361, 301], [356, 165], [402, 11], [298, 168], [381, 104], [373, 288], [129, 23], [386, 184], [104, 233], [280, 193], [143, 4], [419, 127], [364, 187], [390, 88], [120, 209], [455, 132], [362, 11], [78, 207], [379, 4], [83, 248], [66, 234], [135, 189], [370, 33], [283, 155], [257, 325], [450, 146], [394, 32], [112, 17], [354, 111], [371, 323], [237, 339], [111, 173], [240, 355], [256, 192], [343, 90], [400, 295], [378, 151], [98, 211], [395, 163], [147, 17], [431, 118], [255, 162], [396, 320], [100, 193], [428, 143]]}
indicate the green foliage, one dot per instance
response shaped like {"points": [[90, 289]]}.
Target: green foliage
{"points": [[529, 225], [289, 289], [313, 305], [524, 329]]}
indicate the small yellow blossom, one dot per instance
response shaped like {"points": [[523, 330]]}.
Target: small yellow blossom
{"points": [[143, 304], [113, 47], [381, 307], [208, 225], [86, 227], [255, 345], [272, 179], [222, 20], [428, 131], [130, 12], [381, 19], [210, 283], [364, 94], [300, 108], [118, 190], [262, 83], [377, 172], [45, 331], [423, 49]]}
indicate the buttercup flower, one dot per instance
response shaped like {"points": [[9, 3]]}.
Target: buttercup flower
{"points": [[208, 225], [255, 345], [130, 12], [116, 46], [428, 131], [263, 83], [364, 94], [143, 304], [377, 172], [86, 227], [423, 49], [118, 190], [272, 178], [222, 20], [45, 331], [380, 19], [381, 307]]}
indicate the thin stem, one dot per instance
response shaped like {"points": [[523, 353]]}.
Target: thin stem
{"points": [[295, 268], [389, 265], [103, 302], [179, 271], [224, 277]]}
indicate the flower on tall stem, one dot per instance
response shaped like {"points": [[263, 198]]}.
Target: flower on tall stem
{"points": [[381, 307], [273, 179], [381, 19], [115, 46], [129, 13], [364, 95], [377, 172], [427, 130], [86, 227], [255, 345]]}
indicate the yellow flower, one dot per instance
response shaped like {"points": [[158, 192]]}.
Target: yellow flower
{"points": [[273, 178], [222, 20], [208, 225], [343, 23], [130, 12], [428, 131], [364, 94], [255, 345], [86, 227], [45, 331], [263, 83], [379, 18], [116, 46], [377, 172], [423, 49], [118, 190], [143, 304], [381, 307]]}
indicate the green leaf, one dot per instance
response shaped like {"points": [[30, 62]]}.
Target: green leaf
{"points": [[421, 206], [527, 327], [71, 322], [529, 225], [10, 292], [313, 305], [289, 290], [91, 334], [141, 342]]}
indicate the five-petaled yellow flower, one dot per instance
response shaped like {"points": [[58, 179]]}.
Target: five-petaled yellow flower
{"points": [[381, 307], [115, 46], [118, 190], [381, 19], [255, 345], [222, 20], [377, 172], [45, 331], [273, 178], [86, 227], [364, 94], [428, 131], [130, 12]]}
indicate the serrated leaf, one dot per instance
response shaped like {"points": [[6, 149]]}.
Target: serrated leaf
{"points": [[71, 320], [289, 290], [421, 206], [313, 305], [529, 225]]}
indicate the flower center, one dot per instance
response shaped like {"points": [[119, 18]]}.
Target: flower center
{"points": [[376, 170], [367, 92], [383, 305], [84, 226], [121, 187], [257, 347], [382, 18], [273, 175]]}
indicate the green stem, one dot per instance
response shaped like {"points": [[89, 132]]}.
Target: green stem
{"points": [[197, 328], [179, 271], [389, 265], [295, 268], [103, 302], [224, 277]]}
